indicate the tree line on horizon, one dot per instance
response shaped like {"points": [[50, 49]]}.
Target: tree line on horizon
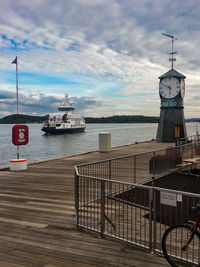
{"points": [[123, 119], [22, 119], [11, 119]]}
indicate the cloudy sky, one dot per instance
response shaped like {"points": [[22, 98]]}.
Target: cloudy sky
{"points": [[106, 54]]}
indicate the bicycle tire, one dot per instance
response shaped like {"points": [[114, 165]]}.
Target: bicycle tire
{"points": [[174, 238]]}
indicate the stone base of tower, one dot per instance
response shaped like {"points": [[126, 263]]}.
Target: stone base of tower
{"points": [[171, 125]]}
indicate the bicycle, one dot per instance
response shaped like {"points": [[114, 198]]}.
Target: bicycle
{"points": [[181, 242]]}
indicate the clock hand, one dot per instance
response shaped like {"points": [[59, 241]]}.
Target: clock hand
{"points": [[165, 85]]}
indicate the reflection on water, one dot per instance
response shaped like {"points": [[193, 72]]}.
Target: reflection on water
{"points": [[43, 146]]}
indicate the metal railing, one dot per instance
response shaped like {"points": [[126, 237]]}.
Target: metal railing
{"points": [[114, 205], [139, 168], [101, 207], [134, 213], [188, 139], [172, 207]]}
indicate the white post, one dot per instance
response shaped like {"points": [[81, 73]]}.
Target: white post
{"points": [[104, 142]]}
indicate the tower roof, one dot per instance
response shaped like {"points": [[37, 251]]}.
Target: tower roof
{"points": [[172, 73]]}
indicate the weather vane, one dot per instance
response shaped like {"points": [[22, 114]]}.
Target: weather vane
{"points": [[172, 59]]}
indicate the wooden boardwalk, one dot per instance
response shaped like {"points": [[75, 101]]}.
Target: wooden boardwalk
{"points": [[37, 219]]}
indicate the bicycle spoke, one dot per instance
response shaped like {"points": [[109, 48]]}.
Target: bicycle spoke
{"points": [[174, 240]]}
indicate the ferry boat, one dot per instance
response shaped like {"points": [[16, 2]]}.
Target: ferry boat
{"points": [[67, 120]]}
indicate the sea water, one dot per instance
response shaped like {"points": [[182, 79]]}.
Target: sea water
{"points": [[43, 147]]}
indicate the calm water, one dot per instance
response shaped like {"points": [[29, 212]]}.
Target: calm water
{"points": [[43, 147]]}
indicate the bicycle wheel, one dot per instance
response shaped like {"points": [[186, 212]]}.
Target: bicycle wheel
{"points": [[174, 238]]}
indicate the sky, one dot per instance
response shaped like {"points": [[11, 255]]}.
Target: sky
{"points": [[106, 55]]}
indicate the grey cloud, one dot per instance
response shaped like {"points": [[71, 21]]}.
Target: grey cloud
{"points": [[85, 102], [7, 95], [40, 104], [114, 40], [130, 26]]}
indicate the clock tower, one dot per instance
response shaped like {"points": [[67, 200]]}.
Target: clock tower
{"points": [[171, 91]]}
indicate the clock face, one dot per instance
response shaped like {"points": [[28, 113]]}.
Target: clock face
{"points": [[182, 88], [169, 87]]}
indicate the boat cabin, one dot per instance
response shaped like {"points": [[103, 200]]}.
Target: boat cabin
{"points": [[66, 106]]}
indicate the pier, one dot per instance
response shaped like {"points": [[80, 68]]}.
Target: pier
{"points": [[37, 219]]}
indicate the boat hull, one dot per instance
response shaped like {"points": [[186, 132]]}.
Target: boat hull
{"points": [[53, 130]]}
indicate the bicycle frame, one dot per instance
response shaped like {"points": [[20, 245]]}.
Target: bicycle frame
{"points": [[194, 229]]}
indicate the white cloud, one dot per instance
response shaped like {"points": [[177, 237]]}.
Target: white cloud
{"points": [[113, 41]]}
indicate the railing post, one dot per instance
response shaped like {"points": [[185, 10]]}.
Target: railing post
{"points": [[154, 164], [77, 199], [150, 217], [110, 177], [154, 220], [102, 208], [135, 169], [110, 171], [192, 147], [176, 142]]}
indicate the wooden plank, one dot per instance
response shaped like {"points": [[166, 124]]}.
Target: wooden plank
{"points": [[66, 202], [19, 206], [65, 207], [24, 223], [37, 223], [10, 264]]}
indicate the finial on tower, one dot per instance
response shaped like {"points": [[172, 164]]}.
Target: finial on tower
{"points": [[172, 59]]}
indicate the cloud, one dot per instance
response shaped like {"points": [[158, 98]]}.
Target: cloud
{"points": [[40, 104], [101, 49], [6, 96]]}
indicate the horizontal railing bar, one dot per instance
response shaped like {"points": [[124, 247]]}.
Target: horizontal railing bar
{"points": [[114, 236], [134, 209], [141, 186], [109, 195], [127, 241], [179, 258], [176, 191], [114, 181], [129, 156], [89, 228]]}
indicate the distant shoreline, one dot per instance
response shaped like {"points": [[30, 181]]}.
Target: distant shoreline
{"points": [[11, 119]]}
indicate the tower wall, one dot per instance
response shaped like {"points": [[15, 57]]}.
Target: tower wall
{"points": [[170, 119]]}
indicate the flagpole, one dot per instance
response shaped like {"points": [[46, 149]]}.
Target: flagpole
{"points": [[17, 92], [15, 62], [17, 104]]}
